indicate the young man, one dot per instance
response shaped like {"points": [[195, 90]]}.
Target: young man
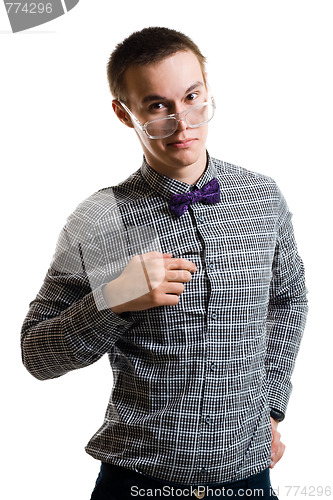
{"points": [[188, 276]]}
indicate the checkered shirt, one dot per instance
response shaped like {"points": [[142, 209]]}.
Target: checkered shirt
{"points": [[193, 383]]}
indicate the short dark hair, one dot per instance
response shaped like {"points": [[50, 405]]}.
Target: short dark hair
{"points": [[144, 47]]}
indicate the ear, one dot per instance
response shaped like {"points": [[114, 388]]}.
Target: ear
{"points": [[121, 113]]}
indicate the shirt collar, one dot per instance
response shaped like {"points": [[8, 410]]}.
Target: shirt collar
{"points": [[166, 187]]}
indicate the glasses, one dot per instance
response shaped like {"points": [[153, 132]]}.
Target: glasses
{"points": [[164, 127]]}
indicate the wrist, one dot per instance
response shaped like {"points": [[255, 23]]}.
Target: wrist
{"points": [[111, 296]]}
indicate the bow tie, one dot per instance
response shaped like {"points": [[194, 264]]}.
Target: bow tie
{"points": [[209, 193]]}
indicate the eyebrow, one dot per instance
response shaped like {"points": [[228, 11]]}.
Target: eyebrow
{"points": [[155, 97]]}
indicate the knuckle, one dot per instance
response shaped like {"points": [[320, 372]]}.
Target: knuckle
{"points": [[188, 276], [180, 262], [173, 275], [174, 299]]}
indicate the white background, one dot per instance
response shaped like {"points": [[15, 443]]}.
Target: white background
{"points": [[270, 69]]}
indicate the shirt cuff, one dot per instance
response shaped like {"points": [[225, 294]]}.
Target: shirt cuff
{"points": [[276, 415], [92, 328], [101, 305], [278, 396]]}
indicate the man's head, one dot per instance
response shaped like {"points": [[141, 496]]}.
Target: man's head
{"points": [[158, 74], [144, 47]]}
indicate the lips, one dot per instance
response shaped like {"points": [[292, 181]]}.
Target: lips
{"points": [[182, 143]]}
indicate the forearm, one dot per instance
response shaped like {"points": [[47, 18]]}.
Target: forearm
{"points": [[285, 327], [75, 338]]}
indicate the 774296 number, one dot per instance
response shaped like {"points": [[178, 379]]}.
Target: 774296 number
{"points": [[29, 8]]}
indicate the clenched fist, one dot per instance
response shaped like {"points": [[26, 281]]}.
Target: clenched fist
{"points": [[149, 280], [278, 447]]}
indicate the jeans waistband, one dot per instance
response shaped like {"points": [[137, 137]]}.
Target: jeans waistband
{"points": [[240, 483]]}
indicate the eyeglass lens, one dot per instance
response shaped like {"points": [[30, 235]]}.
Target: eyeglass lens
{"points": [[194, 118]]}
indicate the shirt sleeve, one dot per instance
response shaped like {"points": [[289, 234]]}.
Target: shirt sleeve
{"points": [[69, 325], [287, 313]]}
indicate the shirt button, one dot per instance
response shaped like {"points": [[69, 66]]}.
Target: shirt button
{"points": [[208, 420], [199, 495], [213, 366], [214, 315], [201, 219], [203, 470]]}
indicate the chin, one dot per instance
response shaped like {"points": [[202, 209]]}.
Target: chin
{"points": [[186, 158], [165, 157]]}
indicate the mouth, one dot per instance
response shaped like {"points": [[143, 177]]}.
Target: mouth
{"points": [[182, 143]]}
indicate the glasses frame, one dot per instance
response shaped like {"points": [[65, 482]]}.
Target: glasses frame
{"points": [[175, 116]]}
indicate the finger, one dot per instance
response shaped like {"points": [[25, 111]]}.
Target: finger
{"points": [[277, 454], [280, 452], [273, 461], [179, 263], [178, 276], [170, 299], [173, 287]]}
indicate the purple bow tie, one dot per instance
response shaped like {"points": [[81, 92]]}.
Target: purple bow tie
{"points": [[209, 193]]}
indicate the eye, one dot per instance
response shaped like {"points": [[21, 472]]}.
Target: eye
{"points": [[193, 96], [157, 106]]}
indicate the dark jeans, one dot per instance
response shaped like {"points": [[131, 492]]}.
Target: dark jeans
{"points": [[118, 483]]}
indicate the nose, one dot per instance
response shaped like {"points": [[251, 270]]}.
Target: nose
{"points": [[182, 125]]}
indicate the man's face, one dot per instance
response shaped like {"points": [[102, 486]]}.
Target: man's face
{"points": [[159, 89]]}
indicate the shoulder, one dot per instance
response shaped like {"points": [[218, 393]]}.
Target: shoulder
{"points": [[107, 201], [226, 169], [236, 177]]}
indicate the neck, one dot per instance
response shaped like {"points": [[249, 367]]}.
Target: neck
{"points": [[187, 173]]}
